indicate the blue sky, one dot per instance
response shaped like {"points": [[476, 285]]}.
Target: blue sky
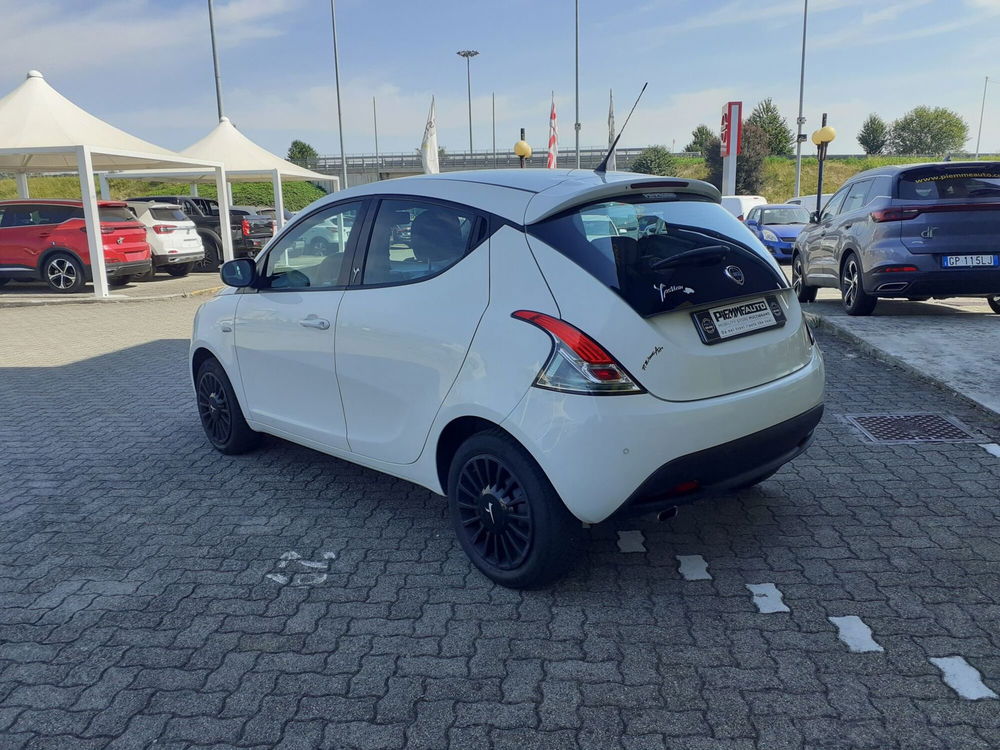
{"points": [[145, 65]]}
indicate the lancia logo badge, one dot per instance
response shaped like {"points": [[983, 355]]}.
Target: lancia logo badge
{"points": [[121, 240], [735, 273]]}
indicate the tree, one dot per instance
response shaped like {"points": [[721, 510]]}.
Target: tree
{"points": [[749, 164], [928, 130], [301, 153], [700, 138], [874, 134], [655, 160], [779, 136]]}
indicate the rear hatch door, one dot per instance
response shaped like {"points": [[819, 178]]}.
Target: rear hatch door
{"points": [[123, 233]]}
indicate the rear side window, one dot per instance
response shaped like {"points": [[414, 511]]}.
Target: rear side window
{"points": [[115, 214], [676, 256], [855, 197], [946, 181], [168, 214], [55, 214], [881, 187]]}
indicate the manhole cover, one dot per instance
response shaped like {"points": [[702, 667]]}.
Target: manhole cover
{"points": [[910, 428]]}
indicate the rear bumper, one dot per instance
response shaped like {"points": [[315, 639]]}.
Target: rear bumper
{"points": [[780, 250], [934, 283], [130, 268], [603, 453], [161, 261], [249, 247]]}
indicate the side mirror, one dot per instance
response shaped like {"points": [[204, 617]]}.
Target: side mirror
{"points": [[814, 217], [238, 273], [752, 224]]}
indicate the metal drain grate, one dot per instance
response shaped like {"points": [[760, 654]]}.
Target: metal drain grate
{"points": [[911, 428]]}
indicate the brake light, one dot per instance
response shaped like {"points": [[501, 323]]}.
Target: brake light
{"points": [[245, 226], [897, 269], [577, 364], [163, 228], [897, 213]]}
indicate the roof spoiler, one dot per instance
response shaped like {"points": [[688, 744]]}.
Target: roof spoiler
{"points": [[622, 184]]}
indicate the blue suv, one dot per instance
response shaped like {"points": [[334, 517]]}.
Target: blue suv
{"points": [[914, 231]]}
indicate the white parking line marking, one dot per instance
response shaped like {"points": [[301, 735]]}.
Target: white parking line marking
{"points": [[311, 578], [963, 678], [767, 598], [277, 578], [631, 541], [855, 634], [992, 448], [693, 568]]}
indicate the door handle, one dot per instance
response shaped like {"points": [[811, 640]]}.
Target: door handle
{"points": [[313, 322], [44, 234]]}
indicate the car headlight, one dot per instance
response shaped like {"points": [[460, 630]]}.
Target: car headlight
{"points": [[769, 235]]}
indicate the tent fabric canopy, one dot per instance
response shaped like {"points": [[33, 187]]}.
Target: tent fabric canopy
{"points": [[40, 130]]}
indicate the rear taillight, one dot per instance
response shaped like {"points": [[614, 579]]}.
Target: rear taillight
{"points": [[577, 364], [163, 228], [246, 228], [899, 213], [896, 269]]}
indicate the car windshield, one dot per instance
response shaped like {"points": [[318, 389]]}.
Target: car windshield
{"points": [[660, 255], [789, 215], [944, 181]]}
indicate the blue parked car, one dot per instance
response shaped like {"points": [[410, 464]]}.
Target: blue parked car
{"points": [[777, 226]]}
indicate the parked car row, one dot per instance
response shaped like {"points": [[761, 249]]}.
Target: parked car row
{"points": [[46, 240]]}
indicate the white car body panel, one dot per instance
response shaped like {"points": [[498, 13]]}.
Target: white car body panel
{"points": [[740, 205], [183, 241]]}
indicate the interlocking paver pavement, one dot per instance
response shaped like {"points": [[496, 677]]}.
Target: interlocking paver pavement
{"points": [[136, 609]]}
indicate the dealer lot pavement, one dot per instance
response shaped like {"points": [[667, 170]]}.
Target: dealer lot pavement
{"points": [[155, 591]]}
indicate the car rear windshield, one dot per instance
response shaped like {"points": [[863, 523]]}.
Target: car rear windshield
{"points": [[943, 181], [168, 214], [662, 254], [116, 214]]}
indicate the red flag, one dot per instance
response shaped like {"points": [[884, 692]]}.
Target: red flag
{"points": [[553, 136]]}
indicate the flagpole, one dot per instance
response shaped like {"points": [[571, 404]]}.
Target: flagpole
{"points": [[336, 73], [375, 120], [576, 125], [494, 129], [215, 59]]}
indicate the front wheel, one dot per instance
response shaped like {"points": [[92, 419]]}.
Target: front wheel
{"points": [[856, 300], [803, 292], [508, 518], [994, 303], [221, 416]]}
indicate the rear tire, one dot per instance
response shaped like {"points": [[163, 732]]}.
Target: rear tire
{"points": [[509, 519], [181, 269], [119, 280], [994, 303], [64, 273], [918, 299], [210, 263], [856, 300], [221, 416], [803, 292]]}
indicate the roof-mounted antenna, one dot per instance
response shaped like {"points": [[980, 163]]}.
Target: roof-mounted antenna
{"points": [[603, 166]]}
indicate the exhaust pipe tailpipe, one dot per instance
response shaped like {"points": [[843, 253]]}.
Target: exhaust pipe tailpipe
{"points": [[666, 515]]}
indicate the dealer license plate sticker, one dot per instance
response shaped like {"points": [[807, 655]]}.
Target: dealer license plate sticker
{"points": [[969, 261], [738, 319]]}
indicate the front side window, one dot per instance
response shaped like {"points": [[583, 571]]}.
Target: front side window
{"points": [[16, 216], [666, 254], [311, 254], [832, 208], [412, 240]]}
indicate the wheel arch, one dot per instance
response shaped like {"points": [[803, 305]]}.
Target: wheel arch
{"points": [[456, 432], [62, 250], [198, 357]]}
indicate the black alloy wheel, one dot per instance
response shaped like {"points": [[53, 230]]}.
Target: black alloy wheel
{"points": [[494, 512], [994, 303], [221, 416]]}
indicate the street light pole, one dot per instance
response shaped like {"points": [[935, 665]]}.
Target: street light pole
{"points": [[336, 73], [822, 138], [576, 125], [801, 120], [982, 110], [215, 59], [468, 54]]}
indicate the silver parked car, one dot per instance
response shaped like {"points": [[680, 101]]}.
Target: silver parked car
{"points": [[913, 231]]}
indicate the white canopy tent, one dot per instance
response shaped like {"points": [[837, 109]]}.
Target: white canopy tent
{"points": [[41, 131], [244, 161]]}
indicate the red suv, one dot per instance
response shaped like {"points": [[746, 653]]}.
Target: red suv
{"points": [[47, 240]]}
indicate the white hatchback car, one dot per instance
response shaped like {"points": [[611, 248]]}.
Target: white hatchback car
{"points": [[516, 354], [174, 243]]}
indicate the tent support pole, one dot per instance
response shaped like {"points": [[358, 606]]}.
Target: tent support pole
{"points": [[95, 243], [279, 199], [225, 219], [194, 189], [22, 185], [105, 187]]}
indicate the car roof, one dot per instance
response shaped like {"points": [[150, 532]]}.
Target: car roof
{"points": [[152, 204], [525, 195]]}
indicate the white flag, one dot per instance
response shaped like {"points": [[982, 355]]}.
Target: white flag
{"points": [[429, 146], [612, 165]]}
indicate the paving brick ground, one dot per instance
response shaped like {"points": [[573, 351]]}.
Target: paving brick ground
{"points": [[138, 611]]}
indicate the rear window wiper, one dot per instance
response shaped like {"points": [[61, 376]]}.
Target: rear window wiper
{"points": [[704, 254]]}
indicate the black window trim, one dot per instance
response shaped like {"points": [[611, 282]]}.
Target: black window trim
{"points": [[349, 252], [486, 225]]}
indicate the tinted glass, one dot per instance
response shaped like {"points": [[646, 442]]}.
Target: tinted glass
{"points": [[57, 214], [311, 254], [833, 207], [855, 196], [881, 187], [167, 214], [115, 214], [945, 181], [675, 260], [795, 215], [412, 240]]}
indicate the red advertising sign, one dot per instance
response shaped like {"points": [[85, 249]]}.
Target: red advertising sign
{"points": [[731, 133]]}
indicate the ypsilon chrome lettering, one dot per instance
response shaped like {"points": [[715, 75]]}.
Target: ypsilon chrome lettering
{"points": [[664, 290]]}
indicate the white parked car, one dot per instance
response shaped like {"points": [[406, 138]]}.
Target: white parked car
{"points": [[809, 201], [520, 356], [174, 244], [740, 205]]}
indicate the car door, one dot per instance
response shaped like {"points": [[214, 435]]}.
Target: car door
{"points": [[285, 331], [19, 243], [820, 260], [841, 235], [407, 322]]}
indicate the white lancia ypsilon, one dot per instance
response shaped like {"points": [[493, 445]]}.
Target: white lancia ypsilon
{"points": [[545, 347]]}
